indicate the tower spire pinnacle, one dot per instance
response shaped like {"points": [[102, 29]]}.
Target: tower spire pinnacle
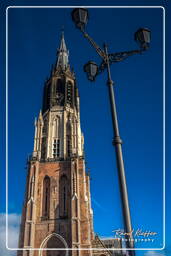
{"points": [[62, 54]]}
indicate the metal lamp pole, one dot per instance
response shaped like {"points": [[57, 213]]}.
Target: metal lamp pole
{"points": [[117, 142], [142, 36]]}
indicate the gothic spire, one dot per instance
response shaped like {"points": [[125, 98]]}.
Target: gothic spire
{"points": [[62, 54]]}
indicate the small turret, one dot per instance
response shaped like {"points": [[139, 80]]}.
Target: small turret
{"points": [[40, 118]]}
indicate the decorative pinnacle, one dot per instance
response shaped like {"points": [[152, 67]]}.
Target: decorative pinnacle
{"points": [[40, 115]]}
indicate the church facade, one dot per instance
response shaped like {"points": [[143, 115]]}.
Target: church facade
{"points": [[57, 208]]}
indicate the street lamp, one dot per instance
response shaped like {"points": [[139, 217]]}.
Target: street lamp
{"points": [[91, 68], [142, 36], [80, 17]]}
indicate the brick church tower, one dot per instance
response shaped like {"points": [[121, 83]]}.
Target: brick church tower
{"points": [[57, 209]]}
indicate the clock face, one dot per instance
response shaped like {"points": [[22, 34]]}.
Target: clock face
{"points": [[59, 97]]}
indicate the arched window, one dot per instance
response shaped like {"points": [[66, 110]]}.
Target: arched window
{"points": [[68, 138], [46, 197], [54, 241], [63, 190]]}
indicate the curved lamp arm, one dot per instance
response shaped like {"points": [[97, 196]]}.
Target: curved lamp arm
{"points": [[117, 57], [100, 52]]}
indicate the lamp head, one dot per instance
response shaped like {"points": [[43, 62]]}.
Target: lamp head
{"points": [[91, 69], [143, 36], [80, 17]]}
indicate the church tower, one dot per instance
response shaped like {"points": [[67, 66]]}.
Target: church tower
{"points": [[57, 209]]}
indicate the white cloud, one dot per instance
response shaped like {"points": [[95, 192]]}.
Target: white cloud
{"points": [[13, 233]]}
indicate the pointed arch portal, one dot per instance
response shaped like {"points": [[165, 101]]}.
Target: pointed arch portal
{"points": [[53, 241]]}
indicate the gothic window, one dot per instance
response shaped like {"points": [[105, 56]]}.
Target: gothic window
{"points": [[59, 94], [46, 197], [56, 148], [68, 139], [56, 137], [69, 93], [55, 241], [56, 127], [74, 133], [43, 154], [63, 204]]}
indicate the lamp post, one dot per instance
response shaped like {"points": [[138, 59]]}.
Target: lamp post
{"points": [[142, 36]]}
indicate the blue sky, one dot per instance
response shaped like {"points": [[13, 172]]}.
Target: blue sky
{"points": [[34, 36]]}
